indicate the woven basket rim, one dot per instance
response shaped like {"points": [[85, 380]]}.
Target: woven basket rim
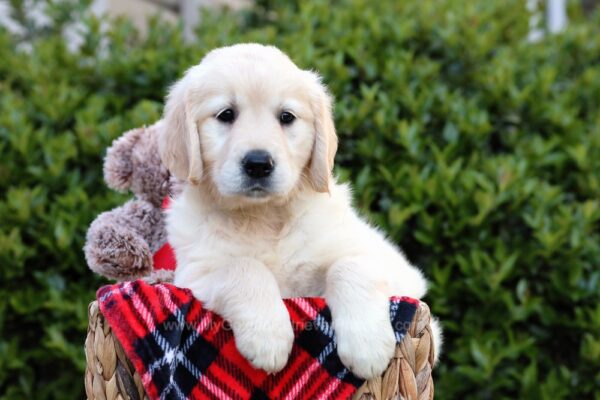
{"points": [[109, 374]]}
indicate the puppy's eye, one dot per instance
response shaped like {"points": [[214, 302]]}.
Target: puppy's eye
{"points": [[227, 116], [286, 117]]}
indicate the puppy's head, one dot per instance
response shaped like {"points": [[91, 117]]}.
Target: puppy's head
{"points": [[250, 124]]}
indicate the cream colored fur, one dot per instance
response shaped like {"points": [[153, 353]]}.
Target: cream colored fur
{"points": [[241, 254]]}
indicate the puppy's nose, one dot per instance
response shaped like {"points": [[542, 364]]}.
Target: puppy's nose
{"points": [[258, 164]]}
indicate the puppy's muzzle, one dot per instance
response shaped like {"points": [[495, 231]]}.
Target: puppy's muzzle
{"points": [[258, 164]]}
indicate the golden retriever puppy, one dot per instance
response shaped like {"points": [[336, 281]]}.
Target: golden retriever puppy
{"points": [[262, 218]]}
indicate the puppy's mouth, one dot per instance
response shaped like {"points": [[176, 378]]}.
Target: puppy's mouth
{"points": [[257, 191]]}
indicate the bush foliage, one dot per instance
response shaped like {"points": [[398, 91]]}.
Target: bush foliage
{"points": [[477, 151]]}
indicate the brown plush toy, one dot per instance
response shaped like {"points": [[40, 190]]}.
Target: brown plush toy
{"points": [[120, 243]]}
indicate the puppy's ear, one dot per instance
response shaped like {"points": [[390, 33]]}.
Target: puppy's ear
{"points": [[325, 145], [178, 137]]}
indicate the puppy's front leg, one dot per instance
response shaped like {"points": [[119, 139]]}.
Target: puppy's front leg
{"points": [[358, 297], [245, 293]]}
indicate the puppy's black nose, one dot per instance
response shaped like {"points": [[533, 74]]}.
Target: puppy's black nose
{"points": [[258, 164]]}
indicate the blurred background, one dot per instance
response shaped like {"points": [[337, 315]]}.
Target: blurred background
{"points": [[470, 130]]}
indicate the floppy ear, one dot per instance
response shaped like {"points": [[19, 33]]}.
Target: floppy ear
{"points": [[325, 146], [178, 137]]}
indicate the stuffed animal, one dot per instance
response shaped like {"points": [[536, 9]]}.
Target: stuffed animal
{"points": [[123, 243]]}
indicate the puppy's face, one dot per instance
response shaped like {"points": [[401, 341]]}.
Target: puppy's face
{"points": [[250, 125]]}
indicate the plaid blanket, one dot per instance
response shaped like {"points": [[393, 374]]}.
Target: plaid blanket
{"points": [[184, 351]]}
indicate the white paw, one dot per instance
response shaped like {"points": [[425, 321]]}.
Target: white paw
{"points": [[365, 347], [267, 345]]}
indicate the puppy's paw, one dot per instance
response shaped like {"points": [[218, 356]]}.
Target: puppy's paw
{"points": [[267, 345], [365, 347]]}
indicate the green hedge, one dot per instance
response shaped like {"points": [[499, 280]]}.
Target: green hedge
{"points": [[478, 152]]}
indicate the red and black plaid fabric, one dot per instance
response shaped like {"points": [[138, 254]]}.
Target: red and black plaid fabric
{"points": [[183, 351]]}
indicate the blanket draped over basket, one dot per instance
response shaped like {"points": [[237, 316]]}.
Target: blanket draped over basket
{"points": [[181, 350]]}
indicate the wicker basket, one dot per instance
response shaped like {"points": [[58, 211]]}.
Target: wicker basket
{"points": [[110, 375]]}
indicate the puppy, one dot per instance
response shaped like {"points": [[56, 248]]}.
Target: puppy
{"points": [[262, 218]]}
